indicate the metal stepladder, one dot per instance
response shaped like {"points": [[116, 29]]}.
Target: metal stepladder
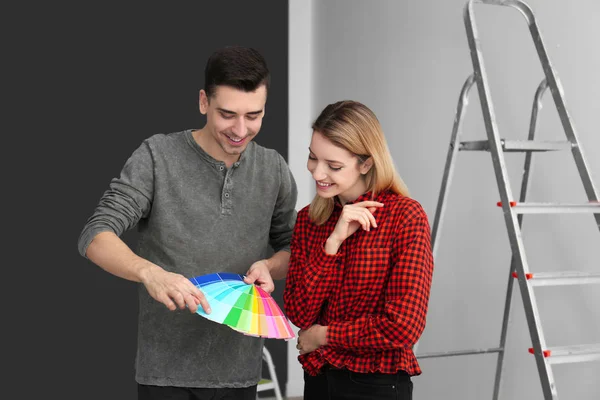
{"points": [[513, 210], [272, 383]]}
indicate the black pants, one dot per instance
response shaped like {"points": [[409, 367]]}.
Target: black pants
{"points": [[341, 384], [148, 392]]}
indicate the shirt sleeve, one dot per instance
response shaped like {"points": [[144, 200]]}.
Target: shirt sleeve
{"points": [[406, 298], [310, 279], [127, 200], [284, 214]]}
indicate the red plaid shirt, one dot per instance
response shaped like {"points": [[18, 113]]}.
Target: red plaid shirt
{"points": [[372, 294]]}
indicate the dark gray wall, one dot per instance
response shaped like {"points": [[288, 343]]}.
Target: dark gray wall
{"points": [[91, 82]]}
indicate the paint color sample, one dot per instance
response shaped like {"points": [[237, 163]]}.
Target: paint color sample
{"points": [[243, 307]]}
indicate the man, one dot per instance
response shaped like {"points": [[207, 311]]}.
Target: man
{"points": [[205, 201]]}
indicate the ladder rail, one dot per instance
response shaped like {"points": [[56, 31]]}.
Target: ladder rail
{"points": [[567, 123], [513, 211], [500, 170], [537, 105], [440, 211], [557, 93]]}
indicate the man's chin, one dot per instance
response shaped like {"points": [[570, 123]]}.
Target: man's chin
{"points": [[233, 150]]}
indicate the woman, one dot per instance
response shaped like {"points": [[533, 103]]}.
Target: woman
{"points": [[361, 265]]}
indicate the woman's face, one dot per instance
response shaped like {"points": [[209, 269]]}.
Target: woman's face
{"points": [[336, 171]]}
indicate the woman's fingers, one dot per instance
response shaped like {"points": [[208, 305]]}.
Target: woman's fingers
{"points": [[369, 203], [355, 216], [364, 217], [372, 219], [364, 221]]}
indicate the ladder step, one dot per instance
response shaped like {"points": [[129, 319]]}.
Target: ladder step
{"points": [[460, 353], [553, 208], [514, 146], [561, 278], [572, 354]]}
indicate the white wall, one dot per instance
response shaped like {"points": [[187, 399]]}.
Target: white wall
{"points": [[301, 114], [407, 61]]}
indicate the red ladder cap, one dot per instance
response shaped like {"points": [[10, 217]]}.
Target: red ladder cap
{"points": [[512, 203], [527, 275], [546, 353]]}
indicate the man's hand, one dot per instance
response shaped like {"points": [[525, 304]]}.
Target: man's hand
{"points": [[312, 338], [260, 274], [173, 290]]}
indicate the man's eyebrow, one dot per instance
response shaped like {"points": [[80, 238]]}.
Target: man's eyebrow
{"points": [[331, 161], [223, 110]]}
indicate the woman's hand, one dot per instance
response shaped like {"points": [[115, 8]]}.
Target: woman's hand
{"points": [[354, 216], [311, 339]]}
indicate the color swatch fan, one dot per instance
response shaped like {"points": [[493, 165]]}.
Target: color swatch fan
{"points": [[243, 307]]}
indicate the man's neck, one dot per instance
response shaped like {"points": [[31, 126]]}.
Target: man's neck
{"points": [[212, 148]]}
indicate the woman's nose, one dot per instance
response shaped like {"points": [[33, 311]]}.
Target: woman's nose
{"points": [[318, 173]]}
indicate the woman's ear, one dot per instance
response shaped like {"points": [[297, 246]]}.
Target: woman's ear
{"points": [[366, 166]]}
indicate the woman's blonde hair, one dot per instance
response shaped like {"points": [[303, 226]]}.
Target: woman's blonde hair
{"points": [[354, 127]]}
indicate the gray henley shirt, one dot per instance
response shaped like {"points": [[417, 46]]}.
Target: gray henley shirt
{"points": [[196, 216]]}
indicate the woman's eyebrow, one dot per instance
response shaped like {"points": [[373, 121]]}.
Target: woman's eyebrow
{"points": [[331, 161]]}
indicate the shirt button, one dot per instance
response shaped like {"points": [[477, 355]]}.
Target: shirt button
{"points": [[227, 195], [237, 164], [221, 168]]}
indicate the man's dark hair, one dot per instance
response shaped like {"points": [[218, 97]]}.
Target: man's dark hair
{"points": [[242, 68]]}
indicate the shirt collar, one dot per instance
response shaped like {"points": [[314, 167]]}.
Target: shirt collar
{"points": [[208, 157], [363, 197]]}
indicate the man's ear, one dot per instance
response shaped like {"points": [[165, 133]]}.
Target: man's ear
{"points": [[203, 102], [366, 166]]}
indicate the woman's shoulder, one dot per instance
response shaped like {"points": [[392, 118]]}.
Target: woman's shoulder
{"points": [[303, 215], [403, 206]]}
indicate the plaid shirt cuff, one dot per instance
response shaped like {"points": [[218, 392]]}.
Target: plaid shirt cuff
{"points": [[336, 333], [320, 261]]}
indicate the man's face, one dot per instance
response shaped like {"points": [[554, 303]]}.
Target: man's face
{"points": [[233, 117]]}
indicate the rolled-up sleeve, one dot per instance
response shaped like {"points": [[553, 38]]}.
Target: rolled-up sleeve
{"points": [[127, 200]]}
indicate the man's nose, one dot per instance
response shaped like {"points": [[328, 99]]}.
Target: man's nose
{"points": [[239, 127]]}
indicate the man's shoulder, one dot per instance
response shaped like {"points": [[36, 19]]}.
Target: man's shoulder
{"points": [[164, 139], [166, 144], [264, 155]]}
